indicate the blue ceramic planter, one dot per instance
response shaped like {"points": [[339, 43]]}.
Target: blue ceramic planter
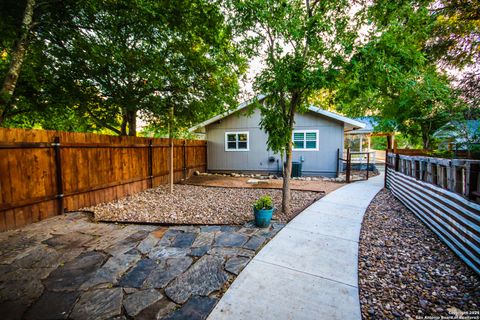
{"points": [[263, 217]]}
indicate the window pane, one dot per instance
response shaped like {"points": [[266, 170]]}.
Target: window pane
{"points": [[231, 137], [232, 145], [242, 137], [298, 136], [242, 145], [311, 136], [311, 144], [298, 145]]}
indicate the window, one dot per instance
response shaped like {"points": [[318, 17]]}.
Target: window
{"points": [[305, 140], [236, 141]]}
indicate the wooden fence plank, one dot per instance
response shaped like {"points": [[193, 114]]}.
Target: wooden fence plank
{"points": [[95, 169]]}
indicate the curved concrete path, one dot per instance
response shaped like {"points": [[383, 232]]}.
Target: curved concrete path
{"points": [[309, 270]]}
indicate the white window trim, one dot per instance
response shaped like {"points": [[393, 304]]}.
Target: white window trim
{"points": [[237, 132], [306, 131]]}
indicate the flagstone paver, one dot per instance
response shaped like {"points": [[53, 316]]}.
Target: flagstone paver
{"points": [[68, 267]]}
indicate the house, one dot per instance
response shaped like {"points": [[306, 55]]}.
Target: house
{"points": [[235, 142], [359, 140], [459, 135]]}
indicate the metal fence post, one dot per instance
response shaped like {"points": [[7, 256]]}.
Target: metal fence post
{"points": [[368, 163], [338, 162], [184, 159], [150, 163], [386, 169], [347, 173], [58, 173], [397, 162]]}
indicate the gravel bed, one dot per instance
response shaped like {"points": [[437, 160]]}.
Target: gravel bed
{"points": [[406, 272], [197, 205]]}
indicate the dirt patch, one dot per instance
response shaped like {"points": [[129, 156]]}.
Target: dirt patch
{"points": [[406, 271], [241, 182], [197, 205]]}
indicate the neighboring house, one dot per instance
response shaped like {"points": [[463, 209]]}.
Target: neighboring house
{"points": [[459, 135], [359, 140], [237, 143]]}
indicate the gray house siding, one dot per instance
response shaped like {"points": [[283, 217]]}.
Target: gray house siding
{"points": [[321, 162]]}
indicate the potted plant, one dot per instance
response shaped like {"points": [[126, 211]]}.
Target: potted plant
{"points": [[263, 210]]}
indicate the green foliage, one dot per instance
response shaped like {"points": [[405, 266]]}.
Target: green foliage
{"points": [[454, 40], [264, 203], [378, 143], [393, 78], [299, 56], [110, 61]]}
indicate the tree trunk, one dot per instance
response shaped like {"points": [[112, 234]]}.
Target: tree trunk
{"points": [[286, 196], [170, 136], [123, 127], [132, 122], [425, 139], [389, 142], [18, 55], [426, 142]]}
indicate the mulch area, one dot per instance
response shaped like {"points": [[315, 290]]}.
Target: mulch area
{"points": [[198, 205], [407, 272], [241, 182]]}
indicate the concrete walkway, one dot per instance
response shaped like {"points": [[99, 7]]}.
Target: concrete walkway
{"points": [[309, 270]]}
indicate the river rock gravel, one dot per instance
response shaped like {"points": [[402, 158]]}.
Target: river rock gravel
{"points": [[190, 204], [405, 270]]}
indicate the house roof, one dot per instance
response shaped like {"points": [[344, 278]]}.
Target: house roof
{"points": [[454, 130], [350, 124], [370, 124]]}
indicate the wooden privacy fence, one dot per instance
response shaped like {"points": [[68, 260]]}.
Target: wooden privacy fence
{"points": [[45, 173], [443, 194]]}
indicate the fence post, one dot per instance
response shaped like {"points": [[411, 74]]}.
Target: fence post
{"points": [[184, 158], [397, 162], [368, 163], [386, 169], [347, 173], [58, 173], [338, 162], [150, 163]]}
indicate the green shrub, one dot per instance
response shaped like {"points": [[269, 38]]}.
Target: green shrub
{"points": [[264, 202]]}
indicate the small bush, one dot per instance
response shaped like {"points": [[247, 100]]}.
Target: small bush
{"points": [[264, 202]]}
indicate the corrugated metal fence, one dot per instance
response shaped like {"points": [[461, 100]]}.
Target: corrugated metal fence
{"points": [[443, 194], [44, 173]]}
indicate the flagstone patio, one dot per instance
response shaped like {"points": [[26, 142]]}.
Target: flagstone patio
{"points": [[70, 267]]}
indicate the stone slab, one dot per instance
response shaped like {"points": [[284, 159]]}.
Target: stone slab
{"points": [[140, 300], [205, 276], [254, 243], [99, 304], [184, 240], [230, 239], [236, 264], [196, 308], [166, 271], [137, 275], [53, 305]]}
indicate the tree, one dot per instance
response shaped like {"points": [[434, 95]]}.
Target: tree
{"points": [[392, 76], [306, 44], [110, 62], [16, 60]]}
